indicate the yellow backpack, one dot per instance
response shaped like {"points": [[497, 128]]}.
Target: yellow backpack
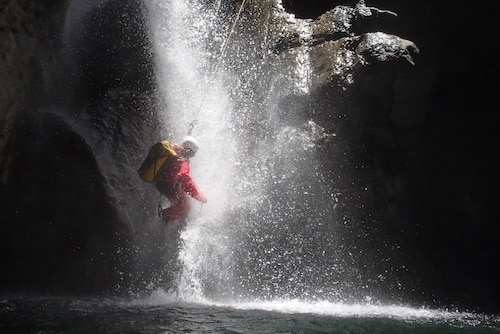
{"points": [[158, 154]]}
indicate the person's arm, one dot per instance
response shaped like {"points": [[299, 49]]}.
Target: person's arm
{"points": [[188, 183]]}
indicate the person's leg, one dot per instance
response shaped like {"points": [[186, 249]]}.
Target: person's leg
{"points": [[176, 210]]}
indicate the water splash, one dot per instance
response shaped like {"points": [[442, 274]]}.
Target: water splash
{"points": [[442, 318], [184, 32], [270, 229]]}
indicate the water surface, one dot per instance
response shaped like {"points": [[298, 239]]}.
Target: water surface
{"points": [[157, 314]]}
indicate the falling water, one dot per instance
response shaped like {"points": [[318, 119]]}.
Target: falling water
{"points": [[183, 34], [272, 230], [303, 67], [268, 230]]}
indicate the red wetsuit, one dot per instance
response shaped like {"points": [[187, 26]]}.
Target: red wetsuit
{"points": [[175, 183]]}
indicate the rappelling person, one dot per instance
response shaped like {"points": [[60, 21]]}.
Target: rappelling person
{"points": [[175, 181], [167, 167]]}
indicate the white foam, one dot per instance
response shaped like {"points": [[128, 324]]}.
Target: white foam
{"points": [[321, 308]]}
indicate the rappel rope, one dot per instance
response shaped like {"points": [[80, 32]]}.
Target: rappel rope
{"points": [[214, 71], [191, 125], [216, 68]]}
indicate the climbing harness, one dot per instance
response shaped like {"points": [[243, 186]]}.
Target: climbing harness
{"points": [[216, 68]]}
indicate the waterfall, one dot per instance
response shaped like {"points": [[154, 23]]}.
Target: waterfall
{"points": [[270, 229], [182, 32]]}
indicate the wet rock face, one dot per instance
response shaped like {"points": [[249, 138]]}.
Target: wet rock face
{"points": [[27, 29], [427, 133], [62, 229], [106, 46], [59, 226]]}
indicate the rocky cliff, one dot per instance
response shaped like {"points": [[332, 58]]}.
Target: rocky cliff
{"points": [[429, 134], [66, 66]]}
